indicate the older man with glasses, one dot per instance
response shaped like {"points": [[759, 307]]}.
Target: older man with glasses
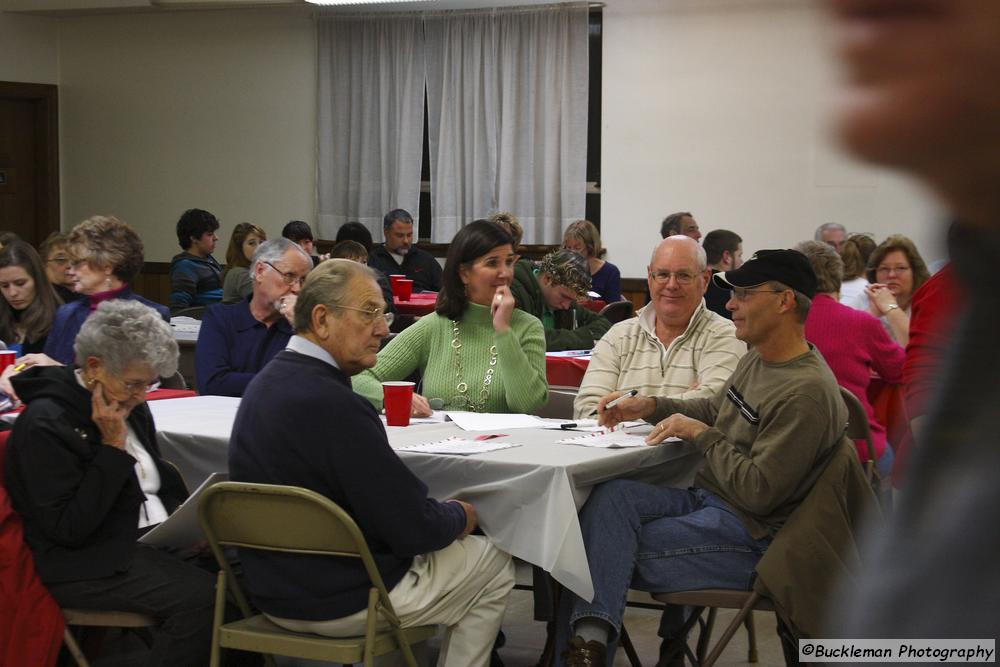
{"points": [[674, 346], [765, 437], [436, 572], [237, 339]]}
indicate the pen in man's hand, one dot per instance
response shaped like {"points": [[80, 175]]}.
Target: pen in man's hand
{"points": [[628, 394]]}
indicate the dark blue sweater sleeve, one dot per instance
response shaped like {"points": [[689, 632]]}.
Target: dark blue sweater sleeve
{"points": [[212, 356], [394, 509]]}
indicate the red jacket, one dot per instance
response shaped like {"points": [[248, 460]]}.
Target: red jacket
{"points": [[31, 623]]}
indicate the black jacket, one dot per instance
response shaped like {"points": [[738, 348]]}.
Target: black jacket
{"points": [[79, 499], [418, 265]]}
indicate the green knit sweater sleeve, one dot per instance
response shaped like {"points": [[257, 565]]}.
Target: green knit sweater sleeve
{"points": [[521, 351], [407, 352]]}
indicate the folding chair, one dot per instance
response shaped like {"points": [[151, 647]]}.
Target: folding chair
{"points": [[294, 520], [560, 403], [102, 619], [858, 428], [617, 311]]}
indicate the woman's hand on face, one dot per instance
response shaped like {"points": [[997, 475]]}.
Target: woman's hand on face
{"points": [[109, 415], [502, 307]]}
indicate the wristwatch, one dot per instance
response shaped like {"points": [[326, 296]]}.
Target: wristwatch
{"points": [[891, 307]]}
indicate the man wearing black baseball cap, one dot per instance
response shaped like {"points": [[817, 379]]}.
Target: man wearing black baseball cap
{"points": [[765, 438]]}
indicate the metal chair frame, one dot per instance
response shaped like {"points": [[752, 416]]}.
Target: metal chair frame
{"points": [[294, 520]]}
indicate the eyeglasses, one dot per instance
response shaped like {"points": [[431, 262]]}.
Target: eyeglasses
{"points": [[663, 277], [75, 263], [740, 293], [135, 387], [370, 315], [60, 260], [288, 277], [886, 270]]}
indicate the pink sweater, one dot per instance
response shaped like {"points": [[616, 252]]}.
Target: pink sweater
{"points": [[854, 344]]}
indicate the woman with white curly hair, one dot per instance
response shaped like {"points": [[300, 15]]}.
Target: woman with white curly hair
{"points": [[84, 471]]}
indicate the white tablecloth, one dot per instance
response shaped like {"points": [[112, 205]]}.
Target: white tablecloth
{"points": [[526, 497]]}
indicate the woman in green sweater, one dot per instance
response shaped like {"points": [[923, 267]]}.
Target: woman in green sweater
{"points": [[476, 352]]}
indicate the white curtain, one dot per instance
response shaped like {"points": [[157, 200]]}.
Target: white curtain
{"points": [[371, 111], [507, 104]]}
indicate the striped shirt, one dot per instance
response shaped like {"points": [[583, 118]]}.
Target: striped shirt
{"points": [[630, 356]]}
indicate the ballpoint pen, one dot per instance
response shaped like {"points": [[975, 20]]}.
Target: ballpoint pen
{"points": [[628, 394]]}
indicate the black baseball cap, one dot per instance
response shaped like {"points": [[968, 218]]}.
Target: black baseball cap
{"points": [[788, 267]]}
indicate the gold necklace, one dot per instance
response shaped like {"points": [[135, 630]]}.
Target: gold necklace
{"points": [[462, 399]]}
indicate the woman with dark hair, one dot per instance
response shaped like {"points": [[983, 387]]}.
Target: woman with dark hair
{"points": [[29, 302], [855, 253], [237, 284], [583, 238], [895, 270], [476, 352]]}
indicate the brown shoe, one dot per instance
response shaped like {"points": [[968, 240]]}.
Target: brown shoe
{"points": [[584, 654]]}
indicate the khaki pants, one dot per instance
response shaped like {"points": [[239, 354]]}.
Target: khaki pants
{"points": [[463, 587]]}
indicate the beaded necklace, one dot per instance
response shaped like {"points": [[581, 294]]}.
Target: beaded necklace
{"points": [[462, 399]]}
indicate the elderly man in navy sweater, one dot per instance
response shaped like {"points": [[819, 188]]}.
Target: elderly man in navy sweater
{"points": [[301, 424]]}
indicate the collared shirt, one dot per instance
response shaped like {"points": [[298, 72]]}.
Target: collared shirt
{"points": [[311, 349]]}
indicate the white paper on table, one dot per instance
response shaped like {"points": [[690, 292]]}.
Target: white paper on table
{"points": [[185, 328], [612, 440], [460, 446], [182, 528], [438, 417], [588, 425], [583, 354], [488, 421]]}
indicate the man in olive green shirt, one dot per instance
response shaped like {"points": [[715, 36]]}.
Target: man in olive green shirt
{"points": [[765, 437]]}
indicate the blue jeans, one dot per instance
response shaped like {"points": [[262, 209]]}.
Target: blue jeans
{"points": [[658, 540]]}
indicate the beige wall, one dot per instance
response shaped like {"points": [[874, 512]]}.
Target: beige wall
{"points": [[164, 112], [719, 107], [29, 49], [715, 106]]}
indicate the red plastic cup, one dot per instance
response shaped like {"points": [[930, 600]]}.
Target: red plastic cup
{"points": [[398, 398], [7, 358], [405, 289], [395, 278]]}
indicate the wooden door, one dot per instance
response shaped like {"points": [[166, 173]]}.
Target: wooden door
{"points": [[29, 169]]}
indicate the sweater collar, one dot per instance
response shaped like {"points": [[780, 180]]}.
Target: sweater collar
{"points": [[98, 298], [476, 314]]}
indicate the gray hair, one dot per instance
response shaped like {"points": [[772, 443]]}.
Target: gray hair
{"points": [[826, 264], [700, 256], [273, 250], [122, 331], [827, 226], [327, 285]]}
